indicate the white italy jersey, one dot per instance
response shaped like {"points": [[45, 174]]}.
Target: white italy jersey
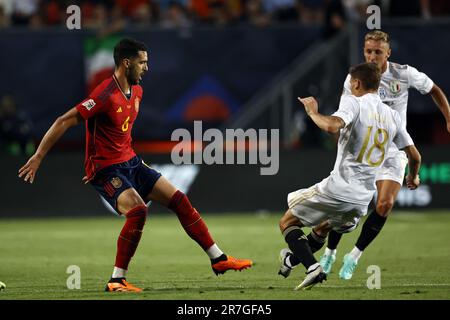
{"points": [[394, 85], [370, 129]]}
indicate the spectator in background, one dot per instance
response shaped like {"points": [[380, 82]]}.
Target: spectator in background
{"points": [[438, 7], [395, 8], [26, 12], [54, 11], [254, 13], [311, 11], [200, 10], [97, 17], [15, 128], [144, 15], [218, 12], [166, 4], [130, 7], [356, 10], [5, 13], [335, 18], [175, 17], [415, 8], [282, 10], [235, 10], [103, 16], [4, 18]]}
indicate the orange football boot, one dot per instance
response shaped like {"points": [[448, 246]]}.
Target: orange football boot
{"points": [[231, 264], [121, 285]]}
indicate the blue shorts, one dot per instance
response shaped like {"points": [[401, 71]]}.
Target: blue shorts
{"points": [[111, 181]]}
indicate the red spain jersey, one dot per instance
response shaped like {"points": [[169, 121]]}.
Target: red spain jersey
{"points": [[109, 116]]}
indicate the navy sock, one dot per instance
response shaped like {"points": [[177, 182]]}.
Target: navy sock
{"points": [[370, 229], [315, 241], [333, 239], [298, 243]]}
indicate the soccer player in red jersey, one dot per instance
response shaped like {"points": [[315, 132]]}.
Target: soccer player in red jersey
{"points": [[117, 173]]}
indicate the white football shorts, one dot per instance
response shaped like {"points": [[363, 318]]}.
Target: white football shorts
{"points": [[313, 207], [393, 167]]}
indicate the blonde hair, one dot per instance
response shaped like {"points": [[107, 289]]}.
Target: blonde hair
{"points": [[378, 35]]}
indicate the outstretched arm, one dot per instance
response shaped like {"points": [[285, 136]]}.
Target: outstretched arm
{"points": [[414, 160], [329, 124], [441, 101], [59, 127]]}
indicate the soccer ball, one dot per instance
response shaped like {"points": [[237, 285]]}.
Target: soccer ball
{"points": [[2, 286]]}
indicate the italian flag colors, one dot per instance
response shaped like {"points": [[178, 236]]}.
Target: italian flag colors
{"points": [[99, 60]]}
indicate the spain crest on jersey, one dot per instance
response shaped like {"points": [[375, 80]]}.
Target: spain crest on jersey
{"points": [[394, 86], [116, 182]]}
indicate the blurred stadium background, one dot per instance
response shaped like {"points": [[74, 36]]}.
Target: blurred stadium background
{"points": [[229, 63]]}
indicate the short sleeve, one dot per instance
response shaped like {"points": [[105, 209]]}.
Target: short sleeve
{"points": [[94, 104], [348, 109], [419, 80], [347, 90], [402, 139]]}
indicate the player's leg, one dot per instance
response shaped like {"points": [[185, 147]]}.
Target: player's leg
{"points": [[290, 227], [316, 240], [387, 193], [133, 208], [329, 256], [389, 181], [118, 191], [166, 194], [317, 236]]}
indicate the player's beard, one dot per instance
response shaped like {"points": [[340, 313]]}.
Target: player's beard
{"points": [[132, 77]]}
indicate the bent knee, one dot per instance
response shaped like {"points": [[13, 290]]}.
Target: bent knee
{"points": [[282, 224], [323, 228], [288, 220], [129, 200], [384, 206]]}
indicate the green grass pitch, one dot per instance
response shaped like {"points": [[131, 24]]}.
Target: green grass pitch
{"points": [[412, 253]]}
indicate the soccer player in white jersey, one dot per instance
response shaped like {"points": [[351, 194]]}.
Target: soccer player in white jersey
{"points": [[367, 128], [395, 81]]}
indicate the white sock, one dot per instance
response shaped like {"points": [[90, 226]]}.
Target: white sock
{"points": [[119, 273], [214, 252], [329, 252], [356, 253], [314, 266]]}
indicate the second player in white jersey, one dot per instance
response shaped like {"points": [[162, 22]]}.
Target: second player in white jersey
{"points": [[395, 84]]}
